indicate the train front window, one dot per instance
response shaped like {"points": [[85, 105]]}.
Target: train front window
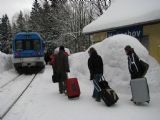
{"points": [[31, 45], [18, 46], [27, 45], [36, 45]]}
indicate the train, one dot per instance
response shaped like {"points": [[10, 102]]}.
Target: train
{"points": [[28, 52]]}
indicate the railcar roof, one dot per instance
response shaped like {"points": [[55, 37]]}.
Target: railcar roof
{"points": [[28, 35]]}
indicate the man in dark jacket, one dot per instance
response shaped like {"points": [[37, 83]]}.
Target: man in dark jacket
{"points": [[95, 65], [134, 66], [61, 68]]}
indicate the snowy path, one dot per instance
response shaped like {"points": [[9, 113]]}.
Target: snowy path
{"points": [[10, 93], [43, 102]]}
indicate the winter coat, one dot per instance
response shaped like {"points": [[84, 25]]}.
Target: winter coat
{"points": [[95, 65], [52, 59], [61, 66], [134, 66]]}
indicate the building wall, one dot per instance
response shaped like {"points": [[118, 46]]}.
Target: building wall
{"points": [[153, 33], [97, 37]]}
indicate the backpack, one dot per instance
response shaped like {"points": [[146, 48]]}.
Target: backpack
{"points": [[144, 66]]}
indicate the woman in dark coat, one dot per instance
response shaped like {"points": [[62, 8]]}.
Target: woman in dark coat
{"points": [[61, 68], [134, 66], [95, 65]]}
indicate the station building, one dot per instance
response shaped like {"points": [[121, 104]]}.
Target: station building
{"points": [[138, 18]]}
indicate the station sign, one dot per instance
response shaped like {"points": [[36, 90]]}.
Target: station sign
{"points": [[135, 31]]}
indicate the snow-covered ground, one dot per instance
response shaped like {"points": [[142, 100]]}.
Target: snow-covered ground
{"points": [[42, 100]]}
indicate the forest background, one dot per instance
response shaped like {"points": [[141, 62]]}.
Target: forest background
{"points": [[60, 22]]}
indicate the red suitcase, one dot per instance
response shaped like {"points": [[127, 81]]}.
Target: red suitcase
{"points": [[73, 89]]}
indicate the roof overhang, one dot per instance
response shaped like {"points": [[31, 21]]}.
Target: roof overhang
{"points": [[135, 24]]}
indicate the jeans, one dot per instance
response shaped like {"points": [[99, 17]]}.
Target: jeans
{"points": [[97, 89]]}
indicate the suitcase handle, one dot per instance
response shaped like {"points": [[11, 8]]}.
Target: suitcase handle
{"points": [[68, 75], [102, 78]]}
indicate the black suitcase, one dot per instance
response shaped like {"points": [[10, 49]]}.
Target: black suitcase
{"points": [[108, 95]]}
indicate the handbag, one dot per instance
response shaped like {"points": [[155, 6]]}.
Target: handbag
{"points": [[54, 78]]}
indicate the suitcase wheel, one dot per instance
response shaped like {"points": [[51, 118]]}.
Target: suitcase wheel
{"points": [[140, 103], [148, 102], [135, 103]]}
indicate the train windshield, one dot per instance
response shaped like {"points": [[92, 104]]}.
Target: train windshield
{"points": [[19, 46], [27, 45]]}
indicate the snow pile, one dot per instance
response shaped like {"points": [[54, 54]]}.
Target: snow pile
{"points": [[5, 62], [115, 63]]}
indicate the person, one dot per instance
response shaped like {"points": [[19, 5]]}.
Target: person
{"points": [[134, 66], [47, 56], [52, 60], [61, 68], [95, 65]]}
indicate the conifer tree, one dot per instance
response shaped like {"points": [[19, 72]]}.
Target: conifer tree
{"points": [[21, 22], [5, 33], [35, 18]]}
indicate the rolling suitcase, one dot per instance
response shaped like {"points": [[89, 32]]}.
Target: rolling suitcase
{"points": [[108, 95], [140, 90], [73, 89]]}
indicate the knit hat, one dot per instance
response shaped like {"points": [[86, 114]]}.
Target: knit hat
{"points": [[128, 47], [61, 48]]}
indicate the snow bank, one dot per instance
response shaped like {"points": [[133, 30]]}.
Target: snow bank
{"points": [[5, 62], [115, 63]]}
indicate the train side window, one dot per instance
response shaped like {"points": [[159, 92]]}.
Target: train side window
{"points": [[19, 46]]}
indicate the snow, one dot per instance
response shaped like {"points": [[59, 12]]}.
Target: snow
{"points": [[124, 13], [6, 68], [42, 100], [5, 62], [12, 91]]}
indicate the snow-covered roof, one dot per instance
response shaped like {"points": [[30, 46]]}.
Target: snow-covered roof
{"points": [[125, 13]]}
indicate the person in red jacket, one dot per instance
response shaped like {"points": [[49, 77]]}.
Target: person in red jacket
{"points": [[52, 60]]}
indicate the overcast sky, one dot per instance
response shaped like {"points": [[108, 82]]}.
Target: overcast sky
{"points": [[11, 7]]}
